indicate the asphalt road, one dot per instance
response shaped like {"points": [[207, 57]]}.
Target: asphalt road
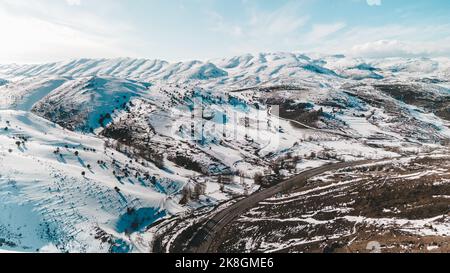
{"points": [[206, 239]]}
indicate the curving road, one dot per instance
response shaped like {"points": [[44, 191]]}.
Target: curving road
{"points": [[207, 238]]}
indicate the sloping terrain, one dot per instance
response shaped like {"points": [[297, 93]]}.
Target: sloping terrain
{"points": [[22, 95], [96, 151], [69, 192], [87, 103], [399, 206]]}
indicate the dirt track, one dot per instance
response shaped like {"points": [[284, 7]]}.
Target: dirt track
{"points": [[206, 239]]}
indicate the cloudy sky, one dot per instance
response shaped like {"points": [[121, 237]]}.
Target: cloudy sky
{"points": [[34, 31]]}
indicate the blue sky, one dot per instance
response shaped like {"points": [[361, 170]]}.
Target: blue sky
{"points": [[175, 30]]}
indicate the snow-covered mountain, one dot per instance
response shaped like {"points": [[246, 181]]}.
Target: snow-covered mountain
{"points": [[241, 70], [95, 151]]}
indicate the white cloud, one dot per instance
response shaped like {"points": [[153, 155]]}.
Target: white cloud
{"points": [[320, 31], [384, 49], [374, 2], [43, 31], [263, 30], [395, 48], [220, 25], [261, 25], [35, 40], [73, 2], [284, 20], [386, 41]]}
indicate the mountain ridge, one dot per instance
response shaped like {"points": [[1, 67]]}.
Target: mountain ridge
{"points": [[266, 66]]}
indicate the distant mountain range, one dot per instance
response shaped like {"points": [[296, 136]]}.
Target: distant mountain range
{"points": [[240, 70]]}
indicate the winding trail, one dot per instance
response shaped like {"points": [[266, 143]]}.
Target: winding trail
{"points": [[206, 239]]}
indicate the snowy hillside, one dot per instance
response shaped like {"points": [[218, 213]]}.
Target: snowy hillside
{"points": [[61, 191], [22, 95], [93, 152], [85, 100]]}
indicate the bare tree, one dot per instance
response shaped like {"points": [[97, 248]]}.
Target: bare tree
{"points": [[258, 178]]}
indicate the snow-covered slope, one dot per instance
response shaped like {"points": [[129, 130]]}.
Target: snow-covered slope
{"points": [[22, 95], [63, 190], [87, 103]]}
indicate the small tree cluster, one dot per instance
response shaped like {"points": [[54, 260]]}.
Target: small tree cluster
{"points": [[258, 178]]}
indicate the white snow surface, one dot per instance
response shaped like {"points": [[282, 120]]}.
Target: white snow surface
{"points": [[46, 200]]}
